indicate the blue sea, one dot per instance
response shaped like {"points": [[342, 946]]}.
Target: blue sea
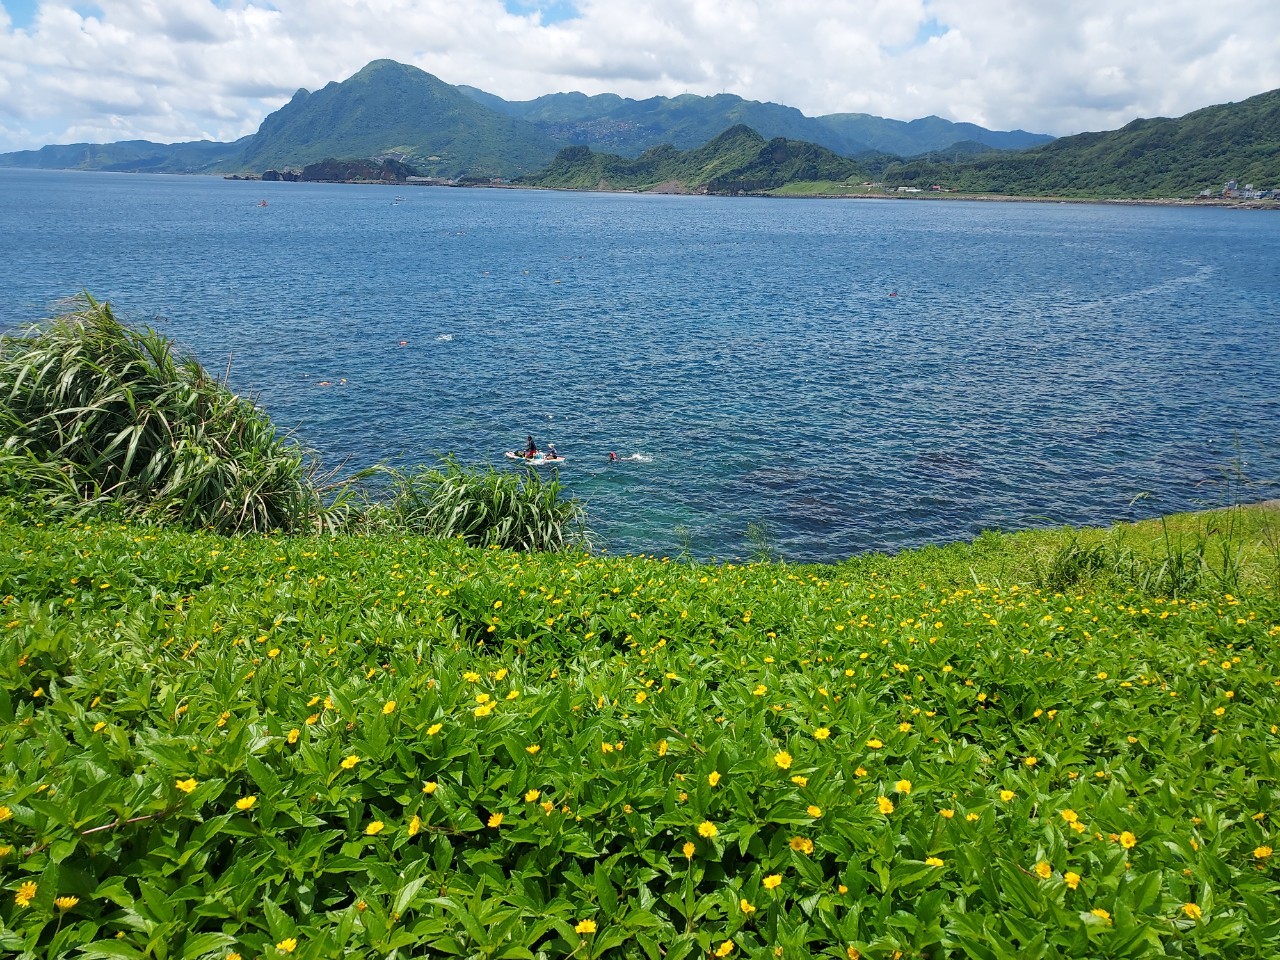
{"points": [[826, 377]]}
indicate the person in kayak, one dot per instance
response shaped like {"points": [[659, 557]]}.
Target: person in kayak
{"points": [[551, 452], [530, 448]]}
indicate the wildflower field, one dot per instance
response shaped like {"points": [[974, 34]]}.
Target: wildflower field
{"points": [[382, 746]]}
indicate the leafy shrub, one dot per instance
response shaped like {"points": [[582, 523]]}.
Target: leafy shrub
{"points": [[97, 415], [481, 506]]}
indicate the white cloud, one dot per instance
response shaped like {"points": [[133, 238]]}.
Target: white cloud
{"points": [[189, 69]]}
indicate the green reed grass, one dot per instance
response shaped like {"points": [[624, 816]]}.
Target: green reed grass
{"points": [[481, 506], [97, 416]]}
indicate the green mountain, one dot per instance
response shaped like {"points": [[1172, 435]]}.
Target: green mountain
{"points": [[929, 134], [128, 156], [629, 127], [1146, 158], [392, 110], [737, 161]]}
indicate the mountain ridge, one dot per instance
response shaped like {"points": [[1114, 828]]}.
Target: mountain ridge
{"points": [[393, 110]]}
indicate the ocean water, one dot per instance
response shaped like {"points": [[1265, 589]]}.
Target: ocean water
{"points": [[846, 375]]}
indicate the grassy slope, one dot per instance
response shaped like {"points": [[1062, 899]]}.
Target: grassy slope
{"points": [[165, 661], [1147, 158]]}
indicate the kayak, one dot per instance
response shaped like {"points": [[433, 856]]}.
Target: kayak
{"points": [[539, 461]]}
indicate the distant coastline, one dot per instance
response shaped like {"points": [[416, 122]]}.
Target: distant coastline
{"points": [[668, 189]]}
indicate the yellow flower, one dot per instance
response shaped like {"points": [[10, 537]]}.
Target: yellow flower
{"points": [[688, 849], [801, 845], [26, 893], [885, 804], [933, 861], [1128, 840], [1262, 852], [1007, 795], [389, 707], [782, 759], [246, 803], [66, 903], [471, 676], [822, 733], [903, 786], [415, 825], [904, 727], [947, 814], [1043, 870], [760, 690], [293, 735], [1191, 910], [495, 820], [813, 810], [745, 906], [874, 744], [772, 882], [853, 953], [532, 748], [1070, 816], [585, 927], [273, 652], [842, 889], [186, 786], [287, 945], [860, 772], [373, 829], [5, 814], [800, 781], [483, 710], [99, 726], [1102, 915], [1071, 879], [5, 850], [429, 787], [725, 948], [662, 748], [707, 829], [531, 795], [349, 762], [713, 777], [972, 817]]}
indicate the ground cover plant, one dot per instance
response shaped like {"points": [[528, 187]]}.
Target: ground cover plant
{"points": [[387, 745]]}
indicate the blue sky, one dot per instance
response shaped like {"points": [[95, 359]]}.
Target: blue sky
{"points": [[551, 11], [21, 12], [168, 70]]}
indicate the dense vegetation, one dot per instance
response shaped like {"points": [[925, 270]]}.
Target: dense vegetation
{"points": [[386, 745], [94, 414], [1146, 158], [737, 161], [100, 419]]}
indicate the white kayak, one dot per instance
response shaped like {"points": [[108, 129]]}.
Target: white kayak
{"points": [[539, 461]]}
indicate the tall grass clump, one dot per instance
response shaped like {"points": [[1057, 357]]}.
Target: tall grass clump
{"points": [[482, 506], [96, 416]]}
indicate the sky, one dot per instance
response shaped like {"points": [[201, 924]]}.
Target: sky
{"points": [[173, 70]]}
